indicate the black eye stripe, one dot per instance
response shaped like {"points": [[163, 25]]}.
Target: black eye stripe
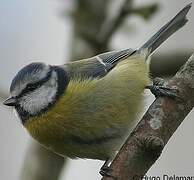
{"points": [[62, 83], [31, 87]]}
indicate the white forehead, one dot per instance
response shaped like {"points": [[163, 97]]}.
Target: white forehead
{"points": [[25, 77]]}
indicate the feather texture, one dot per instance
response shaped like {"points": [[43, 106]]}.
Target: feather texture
{"points": [[94, 116]]}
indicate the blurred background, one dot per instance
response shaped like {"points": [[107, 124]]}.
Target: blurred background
{"points": [[54, 31]]}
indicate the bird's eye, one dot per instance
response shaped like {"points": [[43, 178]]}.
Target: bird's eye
{"points": [[30, 87]]}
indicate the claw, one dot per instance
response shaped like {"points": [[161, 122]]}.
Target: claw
{"points": [[159, 89], [105, 170]]}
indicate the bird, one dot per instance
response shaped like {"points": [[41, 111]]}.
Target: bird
{"points": [[87, 108]]}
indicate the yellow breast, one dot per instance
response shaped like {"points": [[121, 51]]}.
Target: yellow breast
{"points": [[98, 112]]}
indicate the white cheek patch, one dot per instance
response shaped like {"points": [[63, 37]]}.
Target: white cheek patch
{"points": [[41, 97]]}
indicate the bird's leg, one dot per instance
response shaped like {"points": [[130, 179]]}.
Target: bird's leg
{"points": [[105, 169], [159, 89]]}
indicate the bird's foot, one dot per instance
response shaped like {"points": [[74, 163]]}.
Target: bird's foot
{"points": [[105, 170], [159, 89]]}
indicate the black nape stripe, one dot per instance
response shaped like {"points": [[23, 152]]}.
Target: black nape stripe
{"points": [[63, 80]]}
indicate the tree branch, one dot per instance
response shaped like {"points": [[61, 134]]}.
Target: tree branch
{"points": [[41, 163], [88, 18], [146, 142], [146, 11], [109, 27]]}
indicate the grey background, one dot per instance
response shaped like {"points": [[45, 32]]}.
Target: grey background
{"points": [[31, 30]]}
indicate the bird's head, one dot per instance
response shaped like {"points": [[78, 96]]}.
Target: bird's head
{"points": [[35, 88]]}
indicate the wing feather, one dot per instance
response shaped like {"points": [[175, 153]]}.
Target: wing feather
{"points": [[97, 66]]}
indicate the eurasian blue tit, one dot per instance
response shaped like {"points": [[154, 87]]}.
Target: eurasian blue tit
{"points": [[87, 108]]}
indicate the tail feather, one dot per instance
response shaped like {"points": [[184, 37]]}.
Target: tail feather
{"points": [[167, 30]]}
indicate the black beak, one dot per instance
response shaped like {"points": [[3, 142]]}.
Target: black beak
{"points": [[10, 101]]}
